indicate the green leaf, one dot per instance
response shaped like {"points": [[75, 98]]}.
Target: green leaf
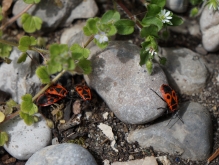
{"points": [[144, 56], [85, 65], [27, 105], [111, 30], [2, 116], [160, 3], [5, 50], [124, 26], [193, 12], [1, 16], [28, 119], [22, 58], [54, 67], [31, 1], [3, 138], [110, 16], [91, 26], [149, 66], [151, 30], [152, 21], [162, 60], [25, 42], [153, 10], [100, 45], [70, 65], [79, 52], [195, 2], [43, 74], [176, 20], [31, 23]]}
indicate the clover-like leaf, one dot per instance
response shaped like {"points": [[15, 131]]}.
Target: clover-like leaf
{"points": [[149, 66], [5, 50], [91, 26], [124, 26], [31, 23], [3, 138], [31, 1], [2, 117], [25, 42], [27, 105], [110, 16], [162, 60], [22, 58], [193, 12], [9, 107], [85, 65], [152, 21], [28, 119], [43, 74], [79, 52], [153, 10], [100, 45]]}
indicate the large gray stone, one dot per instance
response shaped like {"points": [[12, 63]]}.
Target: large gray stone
{"points": [[62, 154], [178, 6], [186, 70], [124, 85], [192, 140]]}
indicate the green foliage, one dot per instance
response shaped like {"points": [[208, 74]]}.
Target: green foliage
{"points": [[91, 26], [124, 26], [10, 104], [160, 3], [43, 74], [78, 52], [193, 12], [28, 109], [25, 42], [31, 1], [31, 23], [85, 65], [195, 2], [22, 58], [176, 21], [1, 16], [3, 138], [5, 50], [110, 16]]}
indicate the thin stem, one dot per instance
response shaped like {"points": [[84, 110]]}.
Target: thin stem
{"points": [[89, 40], [8, 43], [15, 17], [213, 156], [129, 14]]}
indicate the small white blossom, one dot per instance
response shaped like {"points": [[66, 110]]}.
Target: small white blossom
{"points": [[165, 16], [151, 51], [101, 37]]}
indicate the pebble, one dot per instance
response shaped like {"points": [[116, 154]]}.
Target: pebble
{"points": [[124, 85], [26, 140], [185, 70], [209, 25], [19, 79], [191, 139], [145, 161], [62, 154], [178, 6]]}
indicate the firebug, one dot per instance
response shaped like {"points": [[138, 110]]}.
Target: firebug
{"points": [[84, 92], [52, 95], [170, 97]]}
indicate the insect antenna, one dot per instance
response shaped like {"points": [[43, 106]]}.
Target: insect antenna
{"points": [[175, 115]]}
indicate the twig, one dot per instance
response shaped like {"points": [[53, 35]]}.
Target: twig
{"points": [[15, 17], [213, 156]]}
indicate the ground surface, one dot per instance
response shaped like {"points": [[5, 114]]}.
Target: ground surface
{"points": [[97, 143]]}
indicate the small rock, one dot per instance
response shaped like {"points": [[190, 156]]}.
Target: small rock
{"points": [[124, 85], [51, 14], [19, 79], [185, 70], [163, 160], [86, 9], [209, 24], [105, 115], [199, 49], [63, 154], [146, 161], [26, 140], [191, 140], [178, 6], [70, 33], [131, 157]]}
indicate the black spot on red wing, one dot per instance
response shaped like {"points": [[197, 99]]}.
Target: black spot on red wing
{"points": [[166, 88], [168, 97]]}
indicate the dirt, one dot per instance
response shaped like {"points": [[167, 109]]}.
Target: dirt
{"points": [[87, 133]]}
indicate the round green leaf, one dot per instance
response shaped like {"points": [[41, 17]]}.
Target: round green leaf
{"points": [[176, 20], [5, 50], [31, 23], [85, 65], [28, 119], [153, 10], [43, 74], [160, 3], [3, 138], [22, 58], [124, 26], [151, 30], [110, 16]]}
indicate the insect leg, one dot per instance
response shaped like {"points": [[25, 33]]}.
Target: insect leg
{"points": [[158, 95]]}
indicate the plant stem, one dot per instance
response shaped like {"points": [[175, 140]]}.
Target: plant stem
{"points": [[89, 40], [130, 15], [15, 17], [8, 43]]}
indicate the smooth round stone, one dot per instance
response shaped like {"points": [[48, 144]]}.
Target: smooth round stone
{"points": [[25, 140], [125, 85], [191, 139], [62, 154]]}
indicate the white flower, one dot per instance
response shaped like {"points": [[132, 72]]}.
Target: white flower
{"points": [[151, 51], [101, 37], [165, 16]]}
